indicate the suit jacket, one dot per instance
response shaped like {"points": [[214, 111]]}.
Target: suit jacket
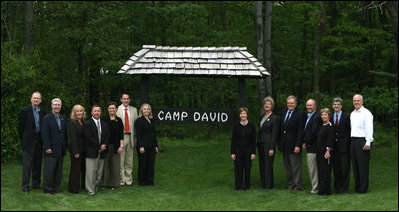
{"points": [[269, 132], [145, 133], [244, 137], [291, 132], [93, 145], [342, 133], [310, 132], [325, 138], [27, 127], [76, 137], [54, 138], [133, 116]]}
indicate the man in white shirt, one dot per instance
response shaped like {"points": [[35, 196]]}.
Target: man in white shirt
{"points": [[361, 138], [128, 114]]}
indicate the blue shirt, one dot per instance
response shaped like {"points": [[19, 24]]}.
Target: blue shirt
{"points": [[309, 116], [37, 118], [288, 115], [57, 118], [335, 116]]}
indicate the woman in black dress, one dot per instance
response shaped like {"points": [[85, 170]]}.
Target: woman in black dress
{"points": [[114, 148], [267, 138], [147, 146], [77, 149], [325, 138], [243, 143]]}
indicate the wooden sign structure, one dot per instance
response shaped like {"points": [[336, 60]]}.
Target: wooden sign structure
{"points": [[179, 115], [194, 61]]}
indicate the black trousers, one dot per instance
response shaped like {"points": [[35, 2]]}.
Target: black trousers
{"points": [[360, 162], [341, 167], [323, 174], [146, 166], [52, 174], [32, 162], [242, 166], [77, 174], [265, 167]]}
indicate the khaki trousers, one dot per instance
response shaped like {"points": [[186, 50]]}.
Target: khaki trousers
{"points": [[312, 168], [94, 172], [126, 161]]}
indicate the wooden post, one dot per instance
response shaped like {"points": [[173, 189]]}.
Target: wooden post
{"points": [[144, 89], [241, 92]]}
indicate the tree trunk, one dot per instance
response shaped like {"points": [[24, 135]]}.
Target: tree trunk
{"points": [[28, 34], [319, 35], [393, 13], [303, 52], [333, 13], [268, 49], [259, 47], [223, 16]]}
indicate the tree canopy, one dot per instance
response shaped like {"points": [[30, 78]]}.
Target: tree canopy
{"points": [[73, 50]]}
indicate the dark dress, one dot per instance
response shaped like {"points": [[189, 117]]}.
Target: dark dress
{"points": [[243, 144], [325, 138], [267, 138], [78, 165], [146, 137]]}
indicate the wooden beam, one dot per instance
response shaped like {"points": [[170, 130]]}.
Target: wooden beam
{"points": [[144, 89], [241, 92]]}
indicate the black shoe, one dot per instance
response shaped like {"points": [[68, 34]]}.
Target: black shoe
{"points": [[296, 188]]}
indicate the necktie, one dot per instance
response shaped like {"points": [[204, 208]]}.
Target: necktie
{"points": [[307, 121], [287, 117], [127, 129], [99, 130], [336, 121]]}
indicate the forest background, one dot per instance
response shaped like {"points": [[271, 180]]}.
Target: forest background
{"points": [[73, 50]]}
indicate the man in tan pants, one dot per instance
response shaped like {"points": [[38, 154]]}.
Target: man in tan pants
{"points": [[128, 114]]}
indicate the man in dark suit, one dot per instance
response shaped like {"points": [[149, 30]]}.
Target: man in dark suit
{"points": [[29, 122], [97, 136], [54, 135], [341, 146], [292, 123], [312, 126]]}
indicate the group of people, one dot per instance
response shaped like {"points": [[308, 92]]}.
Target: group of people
{"points": [[331, 139], [101, 148]]}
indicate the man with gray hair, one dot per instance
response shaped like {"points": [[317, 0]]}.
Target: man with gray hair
{"points": [[361, 139], [54, 135], [341, 155], [29, 122], [292, 125]]}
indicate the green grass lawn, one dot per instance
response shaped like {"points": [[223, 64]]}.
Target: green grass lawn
{"points": [[198, 175]]}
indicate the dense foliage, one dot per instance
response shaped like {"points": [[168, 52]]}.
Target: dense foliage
{"points": [[77, 48]]}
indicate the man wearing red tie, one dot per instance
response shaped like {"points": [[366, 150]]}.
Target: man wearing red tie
{"points": [[128, 114], [341, 147]]}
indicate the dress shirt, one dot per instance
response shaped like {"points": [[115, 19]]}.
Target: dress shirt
{"points": [[57, 118], [309, 116], [37, 118], [362, 124], [288, 115], [339, 116], [98, 123]]}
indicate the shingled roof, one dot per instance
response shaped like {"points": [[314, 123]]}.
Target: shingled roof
{"points": [[216, 61]]}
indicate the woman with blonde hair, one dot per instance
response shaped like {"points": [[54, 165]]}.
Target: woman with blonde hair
{"points": [[147, 146], [269, 127], [77, 149], [325, 139]]}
